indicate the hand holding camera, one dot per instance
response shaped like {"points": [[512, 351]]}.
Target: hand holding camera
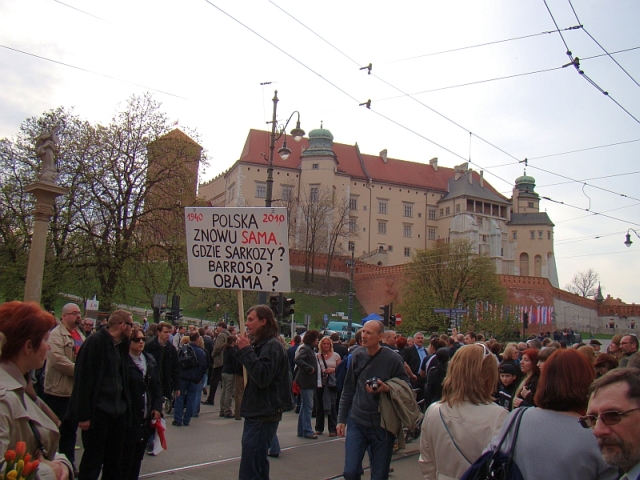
{"points": [[375, 385]]}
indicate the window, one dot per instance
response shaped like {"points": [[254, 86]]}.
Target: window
{"points": [[419, 215], [515, 235], [539, 234], [287, 193], [432, 234], [352, 246], [432, 214], [353, 203], [315, 166], [390, 248], [530, 204], [441, 212], [406, 231], [382, 228], [407, 251], [315, 192], [548, 234], [382, 207], [261, 190], [447, 211], [408, 210], [458, 208], [533, 234], [352, 225]]}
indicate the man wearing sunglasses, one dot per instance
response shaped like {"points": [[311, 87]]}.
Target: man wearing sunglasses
{"points": [[614, 416], [100, 400]]}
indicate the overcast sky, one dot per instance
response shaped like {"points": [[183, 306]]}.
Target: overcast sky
{"points": [[205, 61]]}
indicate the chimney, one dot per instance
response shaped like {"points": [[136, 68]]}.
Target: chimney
{"points": [[481, 178], [383, 154], [470, 175], [434, 163]]}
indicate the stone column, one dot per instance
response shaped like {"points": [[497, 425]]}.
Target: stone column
{"points": [[45, 193]]}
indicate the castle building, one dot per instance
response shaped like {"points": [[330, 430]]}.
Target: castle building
{"points": [[393, 207]]}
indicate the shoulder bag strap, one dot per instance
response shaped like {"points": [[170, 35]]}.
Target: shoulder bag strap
{"points": [[36, 434], [451, 436], [371, 359], [512, 447]]}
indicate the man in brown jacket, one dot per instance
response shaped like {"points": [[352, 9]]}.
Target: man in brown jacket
{"points": [[65, 341]]}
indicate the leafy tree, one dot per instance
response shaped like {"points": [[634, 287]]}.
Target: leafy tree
{"points": [[448, 275], [584, 283]]}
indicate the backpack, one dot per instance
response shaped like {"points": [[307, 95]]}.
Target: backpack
{"points": [[341, 371], [187, 357], [496, 464]]}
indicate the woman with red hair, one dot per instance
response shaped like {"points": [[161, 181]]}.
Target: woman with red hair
{"points": [[26, 330], [550, 442], [527, 389]]}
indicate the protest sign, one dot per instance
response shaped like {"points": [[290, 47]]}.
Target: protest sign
{"points": [[244, 248]]}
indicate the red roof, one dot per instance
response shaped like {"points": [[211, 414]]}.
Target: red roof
{"points": [[400, 172]]}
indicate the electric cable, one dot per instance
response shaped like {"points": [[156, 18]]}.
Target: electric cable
{"points": [[92, 72], [82, 11], [576, 63], [601, 47]]}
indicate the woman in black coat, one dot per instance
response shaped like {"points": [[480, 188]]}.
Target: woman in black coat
{"points": [[146, 404]]}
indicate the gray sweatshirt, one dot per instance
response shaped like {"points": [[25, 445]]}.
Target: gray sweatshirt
{"points": [[355, 402]]}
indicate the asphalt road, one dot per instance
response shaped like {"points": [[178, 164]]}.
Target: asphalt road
{"points": [[210, 448]]}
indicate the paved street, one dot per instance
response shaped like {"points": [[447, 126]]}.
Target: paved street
{"points": [[210, 448]]}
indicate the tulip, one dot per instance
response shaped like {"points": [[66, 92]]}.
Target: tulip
{"points": [[20, 466], [12, 475], [10, 456], [28, 468], [21, 449], [27, 458]]}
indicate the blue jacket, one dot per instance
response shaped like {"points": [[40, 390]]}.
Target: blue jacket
{"points": [[194, 374]]}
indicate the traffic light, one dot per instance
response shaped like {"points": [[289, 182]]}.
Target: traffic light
{"points": [[385, 314], [525, 320], [287, 308], [392, 320], [273, 305]]}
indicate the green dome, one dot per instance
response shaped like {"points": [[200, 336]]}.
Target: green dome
{"points": [[320, 133], [525, 179]]}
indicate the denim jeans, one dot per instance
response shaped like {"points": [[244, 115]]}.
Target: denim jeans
{"points": [[359, 437], [304, 419], [274, 447], [198, 396], [185, 399], [256, 439]]}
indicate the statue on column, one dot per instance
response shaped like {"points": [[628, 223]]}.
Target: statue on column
{"points": [[46, 148]]}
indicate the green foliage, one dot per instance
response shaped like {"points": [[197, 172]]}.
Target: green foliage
{"points": [[450, 275]]}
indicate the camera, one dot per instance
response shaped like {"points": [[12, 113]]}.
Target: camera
{"points": [[372, 383]]}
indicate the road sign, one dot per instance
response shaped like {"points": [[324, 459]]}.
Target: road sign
{"points": [[245, 248], [398, 319], [451, 311], [92, 305]]}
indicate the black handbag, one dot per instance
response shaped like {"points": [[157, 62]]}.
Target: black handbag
{"points": [[330, 379], [496, 464]]}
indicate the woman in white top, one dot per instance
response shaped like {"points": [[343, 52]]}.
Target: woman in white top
{"points": [[456, 429], [326, 395]]}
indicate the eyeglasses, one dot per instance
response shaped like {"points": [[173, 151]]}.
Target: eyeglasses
{"points": [[608, 418], [129, 323], [75, 314], [138, 339]]}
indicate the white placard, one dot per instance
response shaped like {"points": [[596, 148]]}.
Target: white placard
{"points": [[92, 305], [245, 248]]}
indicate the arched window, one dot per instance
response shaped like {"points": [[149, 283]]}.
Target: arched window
{"points": [[524, 264], [537, 266]]}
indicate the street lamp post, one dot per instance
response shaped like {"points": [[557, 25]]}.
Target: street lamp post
{"points": [[277, 131], [352, 263], [627, 240]]}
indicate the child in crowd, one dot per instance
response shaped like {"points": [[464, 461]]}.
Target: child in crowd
{"points": [[508, 386]]}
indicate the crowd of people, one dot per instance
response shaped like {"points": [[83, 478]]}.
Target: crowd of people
{"points": [[575, 409]]}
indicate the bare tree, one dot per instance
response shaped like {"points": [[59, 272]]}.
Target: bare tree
{"points": [[316, 207], [339, 230], [584, 283]]}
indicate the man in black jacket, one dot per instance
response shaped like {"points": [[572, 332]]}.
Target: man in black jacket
{"points": [[166, 359], [100, 399], [268, 390]]}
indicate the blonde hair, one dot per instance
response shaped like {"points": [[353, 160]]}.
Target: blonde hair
{"points": [[322, 340], [185, 340], [509, 352], [588, 352], [471, 376]]}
